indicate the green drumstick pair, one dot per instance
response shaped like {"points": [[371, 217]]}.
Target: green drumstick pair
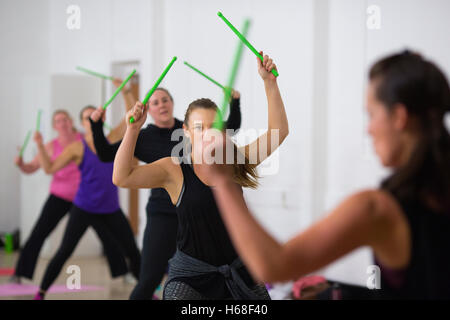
{"points": [[218, 121]]}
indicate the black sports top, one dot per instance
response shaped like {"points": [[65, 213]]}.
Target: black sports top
{"points": [[203, 235], [427, 275]]}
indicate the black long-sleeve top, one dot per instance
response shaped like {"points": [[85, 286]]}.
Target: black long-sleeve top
{"points": [[154, 143]]}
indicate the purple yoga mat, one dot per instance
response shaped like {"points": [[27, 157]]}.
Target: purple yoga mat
{"points": [[12, 289]]}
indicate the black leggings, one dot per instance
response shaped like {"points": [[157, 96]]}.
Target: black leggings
{"points": [[113, 226], [53, 211], [159, 246]]}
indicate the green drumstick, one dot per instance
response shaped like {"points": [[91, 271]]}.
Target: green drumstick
{"points": [[218, 121], [207, 77], [155, 86], [245, 41], [38, 121], [119, 88], [93, 73], [25, 143]]}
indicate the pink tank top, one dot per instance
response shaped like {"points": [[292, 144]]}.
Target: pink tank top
{"points": [[65, 181]]}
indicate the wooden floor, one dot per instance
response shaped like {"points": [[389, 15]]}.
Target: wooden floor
{"points": [[94, 272]]}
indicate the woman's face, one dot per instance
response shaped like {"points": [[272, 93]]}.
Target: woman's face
{"points": [[387, 129], [62, 123], [161, 107], [199, 121]]}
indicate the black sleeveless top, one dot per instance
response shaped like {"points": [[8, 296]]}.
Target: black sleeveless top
{"points": [[202, 233], [428, 273]]}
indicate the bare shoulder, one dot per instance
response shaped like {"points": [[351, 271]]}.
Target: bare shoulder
{"points": [[386, 207], [169, 163], [75, 150], [379, 206]]}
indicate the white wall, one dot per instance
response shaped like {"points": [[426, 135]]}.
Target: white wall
{"points": [[24, 57]]}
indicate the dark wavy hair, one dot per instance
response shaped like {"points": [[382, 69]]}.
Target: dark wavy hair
{"points": [[419, 85]]}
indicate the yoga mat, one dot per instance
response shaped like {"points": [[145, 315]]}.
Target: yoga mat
{"points": [[12, 289]]}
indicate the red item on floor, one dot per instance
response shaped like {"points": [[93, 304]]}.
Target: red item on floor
{"points": [[305, 282], [6, 271]]}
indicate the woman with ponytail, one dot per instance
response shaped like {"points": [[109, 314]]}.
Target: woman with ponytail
{"points": [[406, 221], [206, 265]]}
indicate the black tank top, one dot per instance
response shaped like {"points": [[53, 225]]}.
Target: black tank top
{"points": [[202, 235], [201, 231], [428, 273]]}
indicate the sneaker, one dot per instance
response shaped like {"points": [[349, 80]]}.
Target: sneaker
{"points": [[38, 296]]}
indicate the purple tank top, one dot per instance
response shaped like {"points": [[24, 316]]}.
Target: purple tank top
{"points": [[96, 193]]}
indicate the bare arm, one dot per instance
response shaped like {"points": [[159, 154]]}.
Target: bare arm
{"points": [[262, 147], [33, 165], [355, 222], [151, 175], [154, 175], [117, 133], [73, 152]]}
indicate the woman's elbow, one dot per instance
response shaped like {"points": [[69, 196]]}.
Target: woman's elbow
{"points": [[263, 274], [118, 181], [267, 274], [279, 133], [278, 269], [283, 133]]}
